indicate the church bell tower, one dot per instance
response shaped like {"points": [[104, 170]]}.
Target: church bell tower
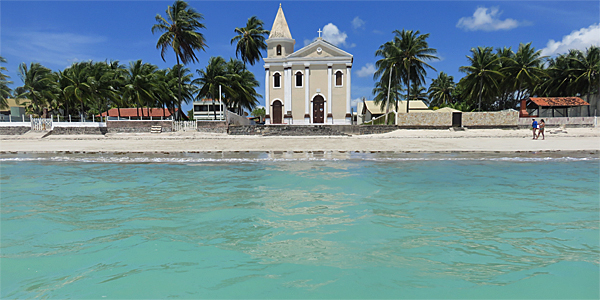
{"points": [[280, 42]]}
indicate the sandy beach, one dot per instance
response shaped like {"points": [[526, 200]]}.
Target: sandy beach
{"points": [[480, 140]]}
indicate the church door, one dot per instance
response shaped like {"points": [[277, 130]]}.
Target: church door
{"points": [[277, 112], [318, 110]]}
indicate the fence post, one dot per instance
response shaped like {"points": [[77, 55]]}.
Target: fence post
{"points": [[10, 118], [23, 116]]}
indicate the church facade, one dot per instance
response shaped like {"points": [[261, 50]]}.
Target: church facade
{"points": [[309, 86]]}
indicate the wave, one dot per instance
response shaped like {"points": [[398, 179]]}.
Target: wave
{"points": [[90, 158]]}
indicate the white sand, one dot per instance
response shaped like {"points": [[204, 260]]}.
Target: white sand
{"points": [[482, 140]]}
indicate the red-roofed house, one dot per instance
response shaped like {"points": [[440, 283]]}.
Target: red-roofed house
{"points": [[549, 106], [140, 113]]}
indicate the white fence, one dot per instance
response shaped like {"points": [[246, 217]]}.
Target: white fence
{"points": [[185, 126], [41, 124]]}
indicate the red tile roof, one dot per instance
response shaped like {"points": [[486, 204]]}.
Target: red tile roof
{"points": [[559, 101], [135, 112]]}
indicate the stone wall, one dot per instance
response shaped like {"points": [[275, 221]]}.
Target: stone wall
{"points": [[490, 119], [212, 126], [14, 130], [78, 130], [167, 126], [425, 120], [556, 122], [137, 126], [309, 130]]}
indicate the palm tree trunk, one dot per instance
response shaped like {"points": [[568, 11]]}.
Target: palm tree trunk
{"points": [[387, 108], [179, 97], [480, 91], [408, 91]]}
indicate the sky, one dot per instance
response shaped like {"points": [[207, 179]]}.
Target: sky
{"points": [[58, 33]]}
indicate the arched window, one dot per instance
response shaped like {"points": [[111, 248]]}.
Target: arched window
{"points": [[338, 78], [298, 79], [278, 49], [276, 80]]}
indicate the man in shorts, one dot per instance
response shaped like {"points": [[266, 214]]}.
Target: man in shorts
{"points": [[534, 126]]}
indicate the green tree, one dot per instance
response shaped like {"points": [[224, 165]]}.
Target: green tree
{"points": [[525, 67], [209, 80], [241, 94], [482, 75], [142, 88], [180, 32], [442, 89], [259, 112], [5, 91], [414, 54], [39, 86], [250, 41], [586, 68], [76, 86]]}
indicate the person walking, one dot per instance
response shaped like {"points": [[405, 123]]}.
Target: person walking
{"points": [[534, 127], [541, 126]]}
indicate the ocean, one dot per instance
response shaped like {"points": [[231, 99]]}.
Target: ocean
{"points": [[297, 225]]}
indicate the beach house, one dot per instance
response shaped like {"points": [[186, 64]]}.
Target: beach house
{"points": [[309, 86]]}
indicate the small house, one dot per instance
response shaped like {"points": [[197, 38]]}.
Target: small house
{"points": [[552, 107]]}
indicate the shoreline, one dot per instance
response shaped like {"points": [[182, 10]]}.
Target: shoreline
{"points": [[400, 141]]}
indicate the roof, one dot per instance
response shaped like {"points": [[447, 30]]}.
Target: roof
{"points": [[415, 105], [13, 102], [135, 112], [558, 101], [206, 100], [328, 47], [280, 27], [446, 109]]}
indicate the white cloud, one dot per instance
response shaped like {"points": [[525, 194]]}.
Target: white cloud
{"points": [[377, 31], [308, 41], [57, 49], [357, 23], [578, 39], [366, 70], [355, 102], [486, 19], [333, 35]]}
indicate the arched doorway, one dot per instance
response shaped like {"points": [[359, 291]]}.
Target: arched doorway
{"points": [[277, 112], [318, 109]]}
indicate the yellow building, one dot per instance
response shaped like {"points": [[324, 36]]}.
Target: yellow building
{"points": [[308, 86]]}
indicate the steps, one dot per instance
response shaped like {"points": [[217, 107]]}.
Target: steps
{"points": [[156, 129]]}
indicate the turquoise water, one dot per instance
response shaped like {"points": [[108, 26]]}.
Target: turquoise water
{"points": [[125, 226]]}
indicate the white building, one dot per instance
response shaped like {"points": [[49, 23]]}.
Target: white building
{"points": [[208, 109], [308, 86]]}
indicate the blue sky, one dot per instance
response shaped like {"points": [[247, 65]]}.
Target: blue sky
{"points": [[58, 33]]}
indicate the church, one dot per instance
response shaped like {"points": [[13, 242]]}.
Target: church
{"points": [[309, 86]]}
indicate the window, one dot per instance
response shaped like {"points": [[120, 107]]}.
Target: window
{"points": [[338, 78], [200, 107], [298, 79], [278, 49], [276, 80]]}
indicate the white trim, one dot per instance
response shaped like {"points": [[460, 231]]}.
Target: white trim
{"points": [[295, 81], [324, 44], [267, 88], [280, 79], [282, 102], [335, 75], [311, 60]]}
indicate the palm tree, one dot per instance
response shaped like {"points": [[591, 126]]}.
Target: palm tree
{"points": [[482, 74], [250, 41], [77, 85], [525, 67], [414, 54], [209, 80], [180, 34], [441, 89], [242, 92], [141, 87], [39, 86], [5, 91], [586, 66], [169, 96]]}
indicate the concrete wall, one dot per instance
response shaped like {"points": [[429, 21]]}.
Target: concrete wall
{"points": [[492, 119], [555, 122]]}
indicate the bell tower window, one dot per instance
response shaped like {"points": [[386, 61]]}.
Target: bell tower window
{"points": [[276, 80], [278, 49]]}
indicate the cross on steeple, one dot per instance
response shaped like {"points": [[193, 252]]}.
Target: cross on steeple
{"points": [[319, 31]]}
